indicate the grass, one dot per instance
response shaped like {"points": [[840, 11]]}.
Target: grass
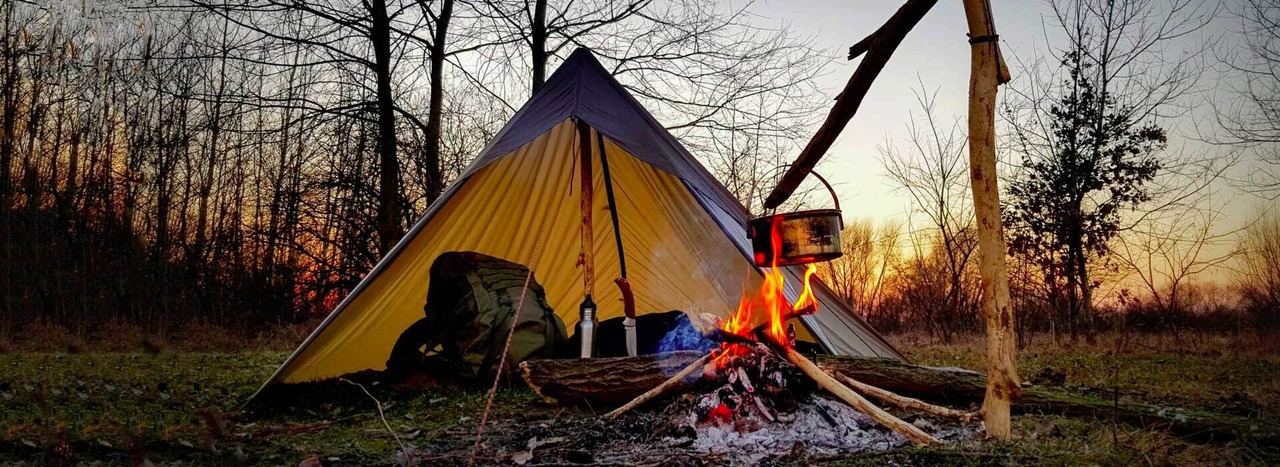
{"points": [[185, 406]]}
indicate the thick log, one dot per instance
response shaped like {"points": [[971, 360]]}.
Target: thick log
{"points": [[603, 382], [956, 387], [610, 382]]}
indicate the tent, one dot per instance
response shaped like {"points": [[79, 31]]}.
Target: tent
{"points": [[683, 233]]}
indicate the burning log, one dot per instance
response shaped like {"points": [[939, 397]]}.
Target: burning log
{"points": [[655, 392]]}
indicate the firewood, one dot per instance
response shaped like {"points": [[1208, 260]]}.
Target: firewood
{"points": [[859, 403], [904, 402], [657, 391], [601, 382], [718, 334]]}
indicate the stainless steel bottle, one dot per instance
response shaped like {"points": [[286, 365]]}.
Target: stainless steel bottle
{"points": [[587, 327]]}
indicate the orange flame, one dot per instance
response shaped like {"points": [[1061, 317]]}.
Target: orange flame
{"points": [[771, 299]]}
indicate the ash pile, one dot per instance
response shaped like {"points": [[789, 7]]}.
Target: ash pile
{"points": [[751, 405]]}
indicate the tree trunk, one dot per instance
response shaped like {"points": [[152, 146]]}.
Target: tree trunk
{"points": [[1085, 315], [389, 229], [9, 101], [1004, 385], [538, 44], [435, 183]]}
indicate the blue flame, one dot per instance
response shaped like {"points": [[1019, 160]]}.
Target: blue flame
{"points": [[685, 337]]}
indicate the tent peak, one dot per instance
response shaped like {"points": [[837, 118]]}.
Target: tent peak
{"points": [[581, 87]]}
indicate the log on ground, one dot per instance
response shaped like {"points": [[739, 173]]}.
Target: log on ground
{"points": [[604, 382], [956, 387]]}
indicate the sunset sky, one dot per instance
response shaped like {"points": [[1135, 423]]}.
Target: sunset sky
{"points": [[936, 54]]}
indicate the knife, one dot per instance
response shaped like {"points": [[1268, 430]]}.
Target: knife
{"points": [[628, 308]]}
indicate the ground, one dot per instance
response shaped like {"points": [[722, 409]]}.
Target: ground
{"points": [[166, 407]]}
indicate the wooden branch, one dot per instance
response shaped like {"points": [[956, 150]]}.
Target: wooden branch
{"points": [[756, 334], [657, 391], [904, 402], [984, 81], [861, 47], [880, 46], [859, 403]]}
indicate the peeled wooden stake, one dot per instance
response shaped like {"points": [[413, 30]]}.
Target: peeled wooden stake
{"points": [[852, 398]]}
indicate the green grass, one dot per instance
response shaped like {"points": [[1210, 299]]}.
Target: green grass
{"points": [[95, 405], [113, 406]]}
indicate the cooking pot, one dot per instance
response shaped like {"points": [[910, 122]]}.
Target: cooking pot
{"points": [[803, 236]]}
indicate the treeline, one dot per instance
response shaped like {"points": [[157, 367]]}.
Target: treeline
{"points": [[904, 282], [245, 163]]}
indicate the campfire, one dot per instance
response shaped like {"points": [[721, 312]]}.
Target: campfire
{"points": [[756, 382]]}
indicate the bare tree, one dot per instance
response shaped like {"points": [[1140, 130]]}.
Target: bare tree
{"points": [[349, 41], [859, 276], [1252, 120], [933, 171], [1258, 276], [1095, 159], [736, 93], [1166, 253]]}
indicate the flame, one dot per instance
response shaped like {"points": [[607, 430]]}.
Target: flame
{"points": [[770, 300]]}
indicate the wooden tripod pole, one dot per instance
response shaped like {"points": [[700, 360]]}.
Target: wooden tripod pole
{"points": [[985, 77], [587, 254]]}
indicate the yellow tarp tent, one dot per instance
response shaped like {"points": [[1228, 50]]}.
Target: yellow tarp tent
{"points": [[682, 232]]}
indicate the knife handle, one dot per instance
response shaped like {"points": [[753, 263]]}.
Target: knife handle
{"points": [[628, 299]]}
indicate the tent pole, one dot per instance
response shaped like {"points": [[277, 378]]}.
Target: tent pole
{"points": [[613, 205]]}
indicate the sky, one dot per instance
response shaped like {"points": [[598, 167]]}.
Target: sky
{"points": [[934, 55]]}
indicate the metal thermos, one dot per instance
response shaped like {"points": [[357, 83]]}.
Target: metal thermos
{"points": [[587, 327]]}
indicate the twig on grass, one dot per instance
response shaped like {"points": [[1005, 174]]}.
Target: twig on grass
{"points": [[404, 450]]}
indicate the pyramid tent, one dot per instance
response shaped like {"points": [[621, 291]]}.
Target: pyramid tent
{"points": [[683, 233]]}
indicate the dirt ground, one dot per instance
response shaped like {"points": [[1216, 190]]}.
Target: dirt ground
{"points": [[186, 407]]}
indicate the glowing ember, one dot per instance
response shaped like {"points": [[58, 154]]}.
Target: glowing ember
{"points": [[770, 300]]}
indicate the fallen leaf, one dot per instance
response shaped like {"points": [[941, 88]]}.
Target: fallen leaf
{"points": [[522, 457], [535, 443]]}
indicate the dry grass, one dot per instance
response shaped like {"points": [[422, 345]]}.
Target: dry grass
{"points": [[1237, 374]]}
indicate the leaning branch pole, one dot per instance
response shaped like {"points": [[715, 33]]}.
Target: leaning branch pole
{"points": [[849, 396], [985, 77], [879, 46]]}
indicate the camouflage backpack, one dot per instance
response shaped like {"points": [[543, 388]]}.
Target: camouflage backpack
{"points": [[471, 301]]}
